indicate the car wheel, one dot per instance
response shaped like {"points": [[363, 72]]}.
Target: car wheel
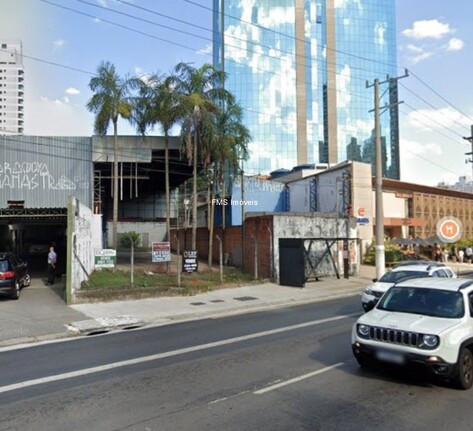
{"points": [[27, 280], [16, 292], [464, 378], [364, 362]]}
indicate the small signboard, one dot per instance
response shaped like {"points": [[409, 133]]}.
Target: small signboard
{"points": [[105, 258], [189, 261], [449, 229], [161, 252]]}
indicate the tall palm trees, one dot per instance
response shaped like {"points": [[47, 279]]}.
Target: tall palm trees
{"points": [[211, 121], [109, 102], [158, 103], [202, 94]]}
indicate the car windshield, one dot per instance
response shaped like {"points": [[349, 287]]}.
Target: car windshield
{"points": [[395, 276], [428, 302]]}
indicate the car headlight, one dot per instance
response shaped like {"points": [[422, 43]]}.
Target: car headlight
{"points": [[363, 331], [429, 341], [368, 291]]}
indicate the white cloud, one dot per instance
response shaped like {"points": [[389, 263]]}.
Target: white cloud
{"points": [[410, 149], [341, 4], [57, 117], [59, 43], [428, 119], [72, 91], [421, 57], [379, 30], [206, 50], [343, 87], [454, 44], [238, 49], [427, 29], [414, 48], [275, 16]]}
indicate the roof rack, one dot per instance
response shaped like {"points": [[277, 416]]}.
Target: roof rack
{"points": [[465, 284], [435, 264], [413, 262]]}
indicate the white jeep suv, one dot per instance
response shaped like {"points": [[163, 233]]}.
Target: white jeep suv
{"points": [[400, 272], [426, 322]]}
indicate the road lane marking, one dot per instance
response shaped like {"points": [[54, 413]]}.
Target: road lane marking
{"points": [[219, 400], [157, 356], [298, 379]]}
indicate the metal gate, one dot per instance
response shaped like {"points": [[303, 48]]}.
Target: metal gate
{"points": [[291, 262]]}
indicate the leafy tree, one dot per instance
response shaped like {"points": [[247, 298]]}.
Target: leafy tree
{"points": [[131, 240], [111, 100]]}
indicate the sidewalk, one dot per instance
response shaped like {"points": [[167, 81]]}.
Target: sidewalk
{"points": [[222, 302], [27, 320]]}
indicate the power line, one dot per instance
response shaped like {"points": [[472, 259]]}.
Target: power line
{"points": [[292, 37], [117, 24], [441, 97], [432, 106], [194, 35], [430, 126], [146, 34]]}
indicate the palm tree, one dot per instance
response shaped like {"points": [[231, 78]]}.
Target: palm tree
{"points": [[201, 93], [230, 147], [159, 103], [111, 100]]}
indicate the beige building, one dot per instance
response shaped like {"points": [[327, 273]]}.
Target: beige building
{"points": [[414, 209]]}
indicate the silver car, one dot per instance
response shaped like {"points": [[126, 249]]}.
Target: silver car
{"points": [[401, 272]]}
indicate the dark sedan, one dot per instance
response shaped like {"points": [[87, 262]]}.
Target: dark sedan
{"points": [[13, 275]]}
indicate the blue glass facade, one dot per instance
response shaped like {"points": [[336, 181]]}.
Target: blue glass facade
{"points": [[299, 69]]}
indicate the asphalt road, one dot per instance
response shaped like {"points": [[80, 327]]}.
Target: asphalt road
{"points": [[285, 369]]}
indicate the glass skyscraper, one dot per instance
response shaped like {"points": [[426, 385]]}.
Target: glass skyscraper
{"points": [[300, 69]]}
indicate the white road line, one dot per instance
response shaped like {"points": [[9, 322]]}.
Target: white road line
{"points": [[144, 359], [297, 379]]}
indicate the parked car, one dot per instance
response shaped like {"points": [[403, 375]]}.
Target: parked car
{"points": [[423, 322], [400, 272], [13, 275]]}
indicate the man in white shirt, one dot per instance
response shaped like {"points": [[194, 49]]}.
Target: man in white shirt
{"points": [[52, 260]]}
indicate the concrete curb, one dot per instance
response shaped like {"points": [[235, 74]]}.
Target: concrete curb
{"points": [[102, 325]]}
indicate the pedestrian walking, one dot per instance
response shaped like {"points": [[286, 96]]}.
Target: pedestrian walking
{"points": [[461, 255], [468, 254], [52, 261]]}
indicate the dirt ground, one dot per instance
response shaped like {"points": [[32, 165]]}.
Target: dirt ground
{"points": [[143, 263]]}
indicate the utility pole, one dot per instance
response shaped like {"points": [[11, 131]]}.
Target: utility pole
{"points": [[379, 233], [470, 160]]}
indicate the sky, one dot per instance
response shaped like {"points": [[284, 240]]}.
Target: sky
{"points": [[65, 40]]}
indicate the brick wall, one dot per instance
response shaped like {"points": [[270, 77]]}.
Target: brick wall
{"points": [[231, 241], [256, 229]]}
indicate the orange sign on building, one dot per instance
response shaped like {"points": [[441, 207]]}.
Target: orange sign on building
{"points": [[449, 229]]}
